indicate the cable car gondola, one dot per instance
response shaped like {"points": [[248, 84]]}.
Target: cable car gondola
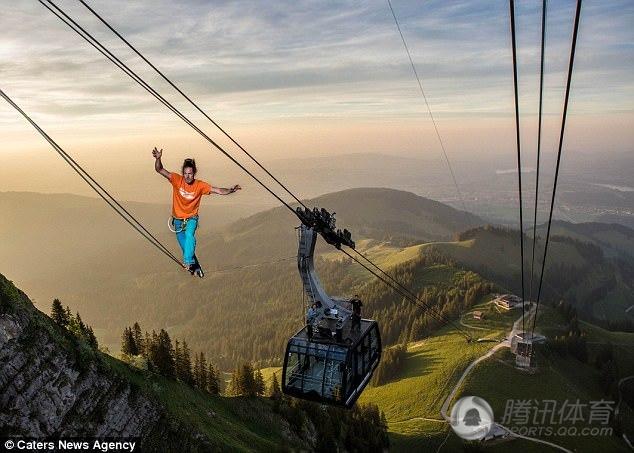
{"points": [[332, 358]]}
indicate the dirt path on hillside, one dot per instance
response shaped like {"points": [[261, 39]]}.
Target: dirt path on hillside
{"points": [[504, 344]]}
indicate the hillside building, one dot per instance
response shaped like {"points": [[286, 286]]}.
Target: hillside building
{"points": [[508, 301]]}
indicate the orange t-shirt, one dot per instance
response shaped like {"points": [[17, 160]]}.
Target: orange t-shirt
{"points": [[186, 197]]}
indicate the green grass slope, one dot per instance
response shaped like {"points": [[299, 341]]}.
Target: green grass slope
{"points": [[413, 399], [235, 424], [558, 378]]}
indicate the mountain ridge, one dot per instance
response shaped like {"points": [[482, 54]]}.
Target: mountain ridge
{"points": [[131, 282]]}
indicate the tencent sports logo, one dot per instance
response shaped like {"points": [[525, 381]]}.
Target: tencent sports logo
{"points": [[471, 418]]}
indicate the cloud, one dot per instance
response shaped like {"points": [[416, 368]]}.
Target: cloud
{"points": [[318, 58]]}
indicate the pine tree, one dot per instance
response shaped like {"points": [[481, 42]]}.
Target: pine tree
{"points": [[233, 387], [68, 315], [383, 424], [202, 378], [213, 385], [73, 326], [58, 314], [275, 392], [147, 346], [127, 342], [154, 343], [178, 361], [246, 381], [187, 365], [92, 339], [77, 327], [138, 337], [134, 345], [152, 351], [80, 324], [259, 386], [197, 370], [163, 357]]}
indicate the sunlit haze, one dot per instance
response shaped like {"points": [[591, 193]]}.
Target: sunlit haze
{"points": [[302, 79]]}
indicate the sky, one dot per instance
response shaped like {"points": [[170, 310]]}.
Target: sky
{"points": [[305, 78]]}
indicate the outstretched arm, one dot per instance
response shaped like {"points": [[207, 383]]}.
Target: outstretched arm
{"points": [[158, 165], [223, 191]]}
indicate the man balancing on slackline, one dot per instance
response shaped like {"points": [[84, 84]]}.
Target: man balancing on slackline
{"points": [[186, 195]]}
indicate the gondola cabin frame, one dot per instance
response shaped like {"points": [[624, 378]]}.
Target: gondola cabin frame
{"points": [[329, 371]]}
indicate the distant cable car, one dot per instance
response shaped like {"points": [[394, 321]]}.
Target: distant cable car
{"points": [[524, 356], [332, 358], [523, 349]]}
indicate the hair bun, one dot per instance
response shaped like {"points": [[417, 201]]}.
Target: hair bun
{"points": [[189, 162]]}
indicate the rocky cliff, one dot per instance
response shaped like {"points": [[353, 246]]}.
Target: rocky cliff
{"points": [[52, 385]]}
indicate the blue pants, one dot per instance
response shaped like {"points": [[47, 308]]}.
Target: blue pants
{"points": [[187, 239]]}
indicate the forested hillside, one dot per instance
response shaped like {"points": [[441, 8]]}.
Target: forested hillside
{"points": [[249, 314], [579, 269], [132, 282], [615, 240], [250, 302]]}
